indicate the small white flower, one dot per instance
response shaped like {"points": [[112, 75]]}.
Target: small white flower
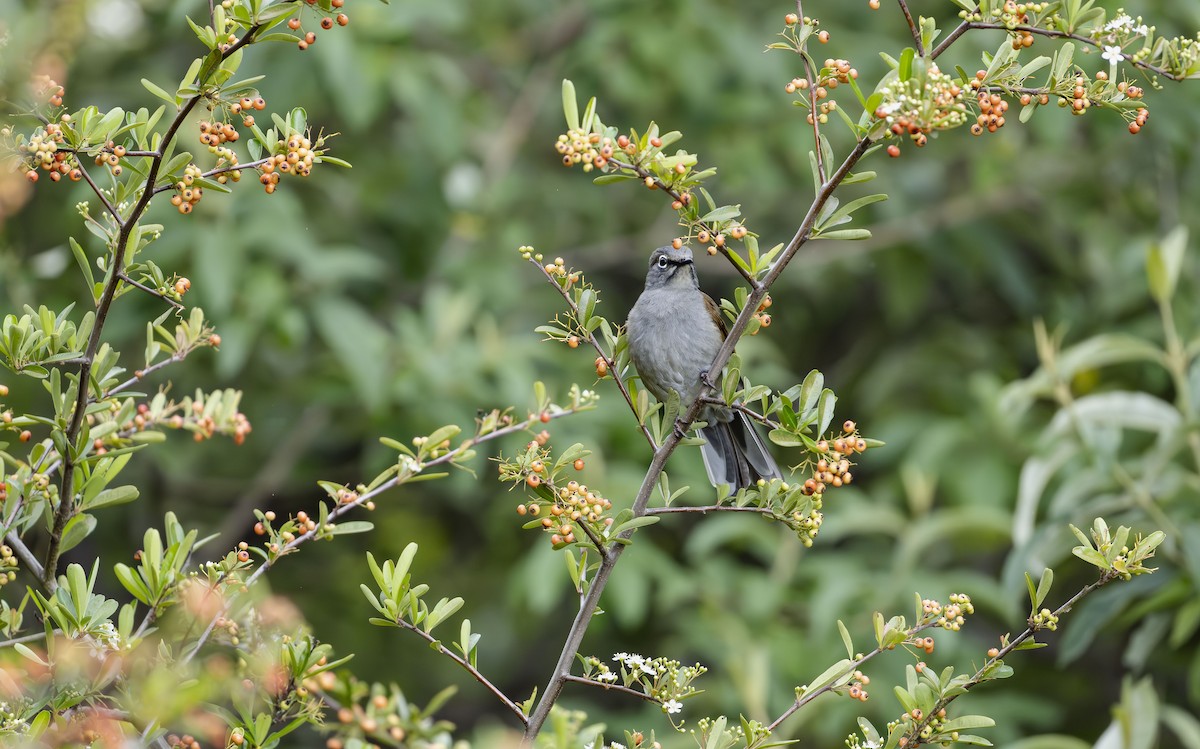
{"points": [[1112, 54], [607, 676], [670, 707], [1120, 22], [649, 669], [1142, 30], [620, 657], [615, 745], [634, 661]]}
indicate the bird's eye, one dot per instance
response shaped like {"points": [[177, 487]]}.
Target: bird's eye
{"points": [[662, 261]]}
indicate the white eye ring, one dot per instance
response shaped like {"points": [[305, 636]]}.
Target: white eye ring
{"points": [[662, 261]]}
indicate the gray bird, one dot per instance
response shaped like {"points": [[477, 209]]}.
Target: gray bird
{"points": [[674, 330]]}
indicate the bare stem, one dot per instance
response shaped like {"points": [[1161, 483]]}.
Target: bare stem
{"points": [[611, 688], [479, 677], [912, 26], [150, 291]]}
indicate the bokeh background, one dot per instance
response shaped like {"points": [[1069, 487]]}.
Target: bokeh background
{"points": [[388, 299]]}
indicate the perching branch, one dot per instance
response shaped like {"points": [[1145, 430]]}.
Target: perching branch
{"points": [[150, 291], [912, 27], [611, 687], [759, 290]]}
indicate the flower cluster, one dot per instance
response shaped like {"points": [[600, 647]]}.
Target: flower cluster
{"points": [[920, 105], [663, 680]]}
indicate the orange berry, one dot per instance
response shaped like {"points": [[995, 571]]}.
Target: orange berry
{"points": [[791, 19], [893, 151], [294, 24], [342, 19], [677, 243], [26, 435], [327, 23], [544, 417], [573, 341], [579, 464], [533, 480]]}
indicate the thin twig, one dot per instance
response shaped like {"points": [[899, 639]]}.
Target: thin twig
{"points": [[676, 195], [1056, 34], [362, 499], [912, 26], [26, 638], [952, 37], [99, 193], [150, 291], [707, 509], [479, 677], [812, 103], [595, 343], [611, 688]]}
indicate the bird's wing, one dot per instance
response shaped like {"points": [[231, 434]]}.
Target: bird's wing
{"points": [[715, 312]]}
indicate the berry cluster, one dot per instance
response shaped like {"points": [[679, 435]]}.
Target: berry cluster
{"points": [[833, 470], [1044, 619], [857, 689], [1010, 13], [327, 23], [589, 149], [915, 717], [187, 195], [574, 503], [764, 320], [295, 155], [186, 741], [992, 107], [950, 616], [42, 152], [916, 108], [8, 564]]}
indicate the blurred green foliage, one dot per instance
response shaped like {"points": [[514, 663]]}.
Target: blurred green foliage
{"points": [[388, 299]]}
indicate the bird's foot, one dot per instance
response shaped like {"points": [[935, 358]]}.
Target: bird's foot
{"points": [[704, 378], [679, 431]]}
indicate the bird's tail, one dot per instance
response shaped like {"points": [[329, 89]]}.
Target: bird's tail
{"points": [[735, 454]]}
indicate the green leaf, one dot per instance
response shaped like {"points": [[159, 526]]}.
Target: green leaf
{"points": [[351, 526], [845, 234], [849, 643], [965, 722], [570, 104], [77, 529], [1164, 262], [784, 438], [160, 93], [825, 406], [724, 213]]}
